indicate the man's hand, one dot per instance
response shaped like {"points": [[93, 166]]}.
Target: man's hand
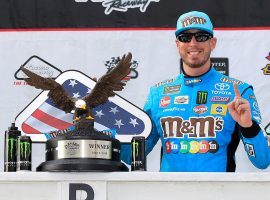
{"points": [[239, 109]]}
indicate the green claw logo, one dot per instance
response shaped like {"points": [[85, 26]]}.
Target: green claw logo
{"points": [[201, 97], [135, 147], [12, 143], [25, 149]]}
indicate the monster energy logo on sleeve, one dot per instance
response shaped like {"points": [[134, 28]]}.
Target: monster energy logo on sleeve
{"points": [[201, 97]]}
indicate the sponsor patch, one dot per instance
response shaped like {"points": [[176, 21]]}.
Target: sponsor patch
{"points": [[174, 89], [200, 109], [192, 20], [255, 106], [174, 109], [220, 99], [257, 116], [268, 140], [176, 146], [165, 82], [201, 97], [217, 92], [252, 97], [222, 86], [181, 100], [165, 101], [250, 150], [229, 80], [219, 109], [194, 127], [192, 81]]}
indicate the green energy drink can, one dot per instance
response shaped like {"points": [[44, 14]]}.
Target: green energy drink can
{"points": [[10, 151], [138, 155], [24, 153]]}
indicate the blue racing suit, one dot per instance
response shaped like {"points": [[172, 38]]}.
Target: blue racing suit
{"points": [[190, 115]]}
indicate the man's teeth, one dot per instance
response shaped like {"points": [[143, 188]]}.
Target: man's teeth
{"points": [[194, 52]]}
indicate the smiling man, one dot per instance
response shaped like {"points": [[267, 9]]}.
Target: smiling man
{"points": [[195, 41], [201, 115]]}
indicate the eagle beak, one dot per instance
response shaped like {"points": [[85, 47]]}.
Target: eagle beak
{"points": [[84, 107]]}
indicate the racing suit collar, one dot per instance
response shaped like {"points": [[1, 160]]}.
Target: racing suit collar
{"points": [[188, 76], [195, 80]]}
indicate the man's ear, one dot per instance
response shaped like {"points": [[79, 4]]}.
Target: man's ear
{"points": [[177, 43], [213, 43]]}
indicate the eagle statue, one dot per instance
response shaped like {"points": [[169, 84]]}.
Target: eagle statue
{"points": [[103, 89]]}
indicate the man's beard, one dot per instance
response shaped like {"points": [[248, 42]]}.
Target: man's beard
{"points": [[197, 64]]}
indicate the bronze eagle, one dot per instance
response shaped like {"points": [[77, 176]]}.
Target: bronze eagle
{"points": [[104, 88]]}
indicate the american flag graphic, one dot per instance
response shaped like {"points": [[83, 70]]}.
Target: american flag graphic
{"points": [[41, 115]]}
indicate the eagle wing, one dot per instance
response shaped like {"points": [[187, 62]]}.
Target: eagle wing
{"points": [[56, 92], [109, 83]]}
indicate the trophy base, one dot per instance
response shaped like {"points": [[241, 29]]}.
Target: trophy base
{"points": [[82, 165], [83, 150]]}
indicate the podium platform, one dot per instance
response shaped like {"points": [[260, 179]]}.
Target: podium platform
{"points": [[133, 186]]}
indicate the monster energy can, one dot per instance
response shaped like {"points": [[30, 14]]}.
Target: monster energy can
{"points": [[11, 140], [138, 156], [24, 152]]}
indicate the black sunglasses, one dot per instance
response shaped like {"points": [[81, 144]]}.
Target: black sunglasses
{"points": [[199, 36]]}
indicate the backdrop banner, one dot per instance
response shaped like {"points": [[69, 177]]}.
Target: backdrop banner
{"points": [[129, 13], [90, 35]]}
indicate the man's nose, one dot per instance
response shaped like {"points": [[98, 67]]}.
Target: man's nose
{"points": [[193, 40]]}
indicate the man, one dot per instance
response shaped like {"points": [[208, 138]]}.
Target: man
{"points": [[201, 115]]}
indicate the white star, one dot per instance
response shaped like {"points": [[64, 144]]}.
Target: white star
{"points": [[114, 110], [76, 95], [133, 122], [88, 90], [99, 113], [72, 83], [118, 123]]}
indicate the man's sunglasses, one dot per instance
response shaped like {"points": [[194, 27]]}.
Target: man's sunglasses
{"points": [[199, 36]]}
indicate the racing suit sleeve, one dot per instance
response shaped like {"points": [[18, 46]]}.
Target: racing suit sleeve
{"points": [[151, 109], [151, 140], [254, 138]]}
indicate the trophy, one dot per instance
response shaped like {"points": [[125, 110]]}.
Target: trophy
{"points": [[83, 148]]}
